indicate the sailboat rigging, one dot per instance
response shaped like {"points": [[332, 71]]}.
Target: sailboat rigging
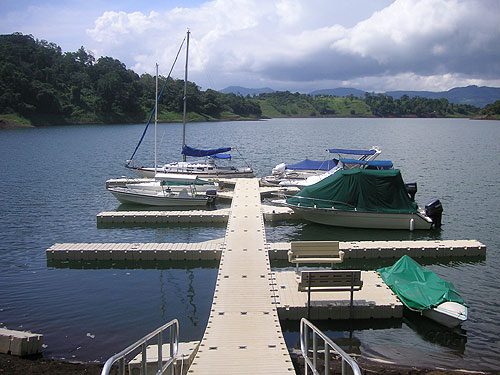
{"points": [[165, 190], [207, 169]]}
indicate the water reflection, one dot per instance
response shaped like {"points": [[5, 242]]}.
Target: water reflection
{"points": [[341, 332], [304, 231], [132, 264], [432, 332]]}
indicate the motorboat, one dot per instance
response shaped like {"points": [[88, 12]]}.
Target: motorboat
{"points": [[287, 175], [175, 182], [421, 290], [342, 164], [365, 198], [166, 197], [209, 168]]}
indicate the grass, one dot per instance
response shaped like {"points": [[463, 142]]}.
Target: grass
{"points": [[16, 120]]}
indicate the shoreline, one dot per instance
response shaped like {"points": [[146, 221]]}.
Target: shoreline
{"points": [[10, 124], [39, 365]]}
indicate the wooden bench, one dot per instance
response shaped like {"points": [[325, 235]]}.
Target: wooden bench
{"points": [[315, 252], [330, 280]]}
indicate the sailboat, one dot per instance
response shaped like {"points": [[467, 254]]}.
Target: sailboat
{"points": [[206, 169], [164, 190]]}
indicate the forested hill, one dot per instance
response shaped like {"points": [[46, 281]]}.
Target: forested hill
{"points": [[40, 83]]}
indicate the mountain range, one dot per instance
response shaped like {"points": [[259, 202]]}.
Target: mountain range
{"points": [[473, 95]]}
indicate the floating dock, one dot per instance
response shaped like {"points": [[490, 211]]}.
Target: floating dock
{"points": [[212, 250], [373, 301], [243, 334], [20, 343], [219, 216]]}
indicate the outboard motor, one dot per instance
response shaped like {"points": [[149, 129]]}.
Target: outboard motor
{"points": [[411, 189], [434, 210], [211, 195]]}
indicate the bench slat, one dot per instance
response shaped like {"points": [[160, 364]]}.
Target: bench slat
{"points": [[330, 279]]}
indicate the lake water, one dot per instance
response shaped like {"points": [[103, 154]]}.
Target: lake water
{"points": [[52, 187]]}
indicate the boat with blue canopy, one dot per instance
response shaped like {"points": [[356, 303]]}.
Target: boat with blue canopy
{"points": [[204, 169], [423, 291], [369, 164], [307, 172]]}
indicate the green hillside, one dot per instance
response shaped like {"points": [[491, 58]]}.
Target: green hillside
{"points": [[41, 85]]}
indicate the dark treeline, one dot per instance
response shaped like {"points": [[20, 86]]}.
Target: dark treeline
{"points": [[41, 83], [371, 105], [385, 106]]}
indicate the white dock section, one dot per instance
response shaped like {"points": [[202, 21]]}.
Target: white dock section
{"points": [[396, 249], [20, 343], [374, 300], [162, 217], [209, 250], [243, 335]]}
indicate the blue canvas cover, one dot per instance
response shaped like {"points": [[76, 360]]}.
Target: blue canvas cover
{"points": [[190, 151], [313, 165], [383, 164], [347, 151], [221, 156]]}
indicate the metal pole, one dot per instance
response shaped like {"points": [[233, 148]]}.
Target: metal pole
{"points": [[156, 111], [160, 351], [327, 358], [308, 296], [185, 97]]}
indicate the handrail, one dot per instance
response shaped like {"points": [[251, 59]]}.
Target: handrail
{"points": [[173, 325], [305, 325]]}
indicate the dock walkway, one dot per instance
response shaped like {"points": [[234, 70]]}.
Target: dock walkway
{"points": [[211, 250], [243, 335]]}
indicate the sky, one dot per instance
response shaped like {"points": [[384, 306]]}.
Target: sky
{"points": [[295, 45]]}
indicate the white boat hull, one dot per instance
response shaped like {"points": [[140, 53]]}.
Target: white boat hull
{"points": [[151, 198], [358, 219], [196, 169], [449, 314]]}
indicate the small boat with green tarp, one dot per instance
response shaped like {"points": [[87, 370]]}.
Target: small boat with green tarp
{"points": [[422, 290], [364, 198]]}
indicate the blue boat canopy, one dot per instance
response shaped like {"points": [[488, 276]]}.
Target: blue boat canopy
{"points": [[190, 151], [316, 165], [351, 151], [220, 156], [381, 164]]}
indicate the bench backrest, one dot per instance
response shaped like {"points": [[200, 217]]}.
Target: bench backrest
{"points": [[314, 246], [330, 279], [315, 252]]}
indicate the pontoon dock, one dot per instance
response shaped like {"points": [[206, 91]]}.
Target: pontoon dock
{"points": [[243, 334]]}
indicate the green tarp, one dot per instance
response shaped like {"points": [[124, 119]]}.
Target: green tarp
{"points": [[417, 287], [360, 189]]}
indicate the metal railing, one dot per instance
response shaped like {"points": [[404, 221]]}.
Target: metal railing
{"points": [[163, 364], [306, 329]]}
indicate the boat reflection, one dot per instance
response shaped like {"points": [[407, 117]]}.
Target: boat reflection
{"points": [[432, 332]]}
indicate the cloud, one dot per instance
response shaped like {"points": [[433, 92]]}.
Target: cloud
{"points": [[295, 44]]}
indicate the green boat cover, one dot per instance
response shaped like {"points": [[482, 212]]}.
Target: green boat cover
{"points": [[417, 287], [360, 189]]}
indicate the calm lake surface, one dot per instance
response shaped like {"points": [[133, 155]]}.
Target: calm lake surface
{"points": [[52, 187]]}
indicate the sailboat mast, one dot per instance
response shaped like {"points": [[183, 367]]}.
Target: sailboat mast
{"points": [[156, 112], [185, 97]]}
